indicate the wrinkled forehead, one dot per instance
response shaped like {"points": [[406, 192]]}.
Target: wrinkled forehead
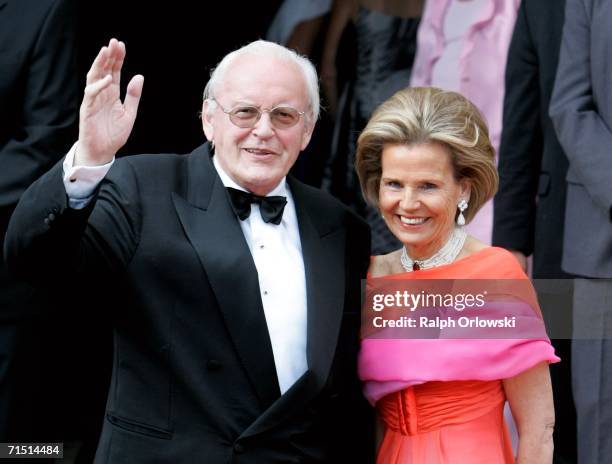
{"points": [[265, 81]]}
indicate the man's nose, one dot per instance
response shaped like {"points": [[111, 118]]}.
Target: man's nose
{"points": [[264, 128]]}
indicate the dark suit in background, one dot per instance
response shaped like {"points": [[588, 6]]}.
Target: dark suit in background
{"points": [[581, 109], [529, 208], [530, 204], [38, 109]]}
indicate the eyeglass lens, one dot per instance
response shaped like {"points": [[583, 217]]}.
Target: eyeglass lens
{"points": [[281, 117]]}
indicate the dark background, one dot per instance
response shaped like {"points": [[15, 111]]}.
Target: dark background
{"points": [[174, 45]]}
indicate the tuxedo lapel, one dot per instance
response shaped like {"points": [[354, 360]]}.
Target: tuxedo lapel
{"points": [[213, 230], [323, 249]]}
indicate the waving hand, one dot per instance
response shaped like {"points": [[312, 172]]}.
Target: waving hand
{"points": [[105, 123]]}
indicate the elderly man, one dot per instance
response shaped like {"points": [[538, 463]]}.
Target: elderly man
{"points": [[237, 287]]}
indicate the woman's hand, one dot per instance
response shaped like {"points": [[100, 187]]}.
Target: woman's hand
{"points": [[531, 402]]}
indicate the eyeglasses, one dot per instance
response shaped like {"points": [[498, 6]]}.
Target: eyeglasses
{"points": [[245, 116]]}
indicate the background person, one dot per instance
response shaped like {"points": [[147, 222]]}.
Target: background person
{"points": [[529, 208], [463, 46], [581, 110]]}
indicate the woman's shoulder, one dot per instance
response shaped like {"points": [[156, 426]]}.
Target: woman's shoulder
{"points": [[498, 261]]}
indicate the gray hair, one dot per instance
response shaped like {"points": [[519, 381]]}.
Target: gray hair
{"points": [[269, 49]]}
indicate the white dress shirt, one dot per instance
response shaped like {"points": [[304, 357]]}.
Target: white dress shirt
{"points": [[276, 251]]}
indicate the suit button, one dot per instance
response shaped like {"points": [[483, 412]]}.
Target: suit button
{"points": [[238, 448], [213, 365], [47, 221], [51, 217]]}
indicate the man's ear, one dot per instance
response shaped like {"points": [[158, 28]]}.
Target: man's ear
{"points": [[307, 134], [207, 118]]}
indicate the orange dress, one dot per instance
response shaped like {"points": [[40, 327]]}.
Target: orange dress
{"points": [[441, 401], [459, 422]]}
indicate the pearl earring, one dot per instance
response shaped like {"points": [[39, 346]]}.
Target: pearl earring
{"points": [[462, 205]]}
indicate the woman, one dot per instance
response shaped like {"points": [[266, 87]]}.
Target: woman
{"points": [[426, 162]]}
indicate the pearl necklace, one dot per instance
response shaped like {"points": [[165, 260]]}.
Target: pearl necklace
{"points": [[445, 255]]}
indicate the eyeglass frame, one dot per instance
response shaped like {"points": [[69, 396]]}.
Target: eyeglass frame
{"points": [[260, 111]]}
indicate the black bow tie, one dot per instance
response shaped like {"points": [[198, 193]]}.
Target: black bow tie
{"points": [[271, 208]]}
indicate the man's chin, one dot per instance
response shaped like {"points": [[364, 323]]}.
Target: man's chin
{"points": [[261, 185]]}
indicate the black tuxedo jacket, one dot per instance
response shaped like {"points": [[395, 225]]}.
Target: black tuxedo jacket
{"points": [[194, 377], [530, 205]]}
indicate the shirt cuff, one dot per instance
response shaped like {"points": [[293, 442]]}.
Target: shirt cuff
{"points": [[80, 182]]}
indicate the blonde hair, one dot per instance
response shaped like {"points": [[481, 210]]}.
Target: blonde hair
{"points": [[420, 115]]}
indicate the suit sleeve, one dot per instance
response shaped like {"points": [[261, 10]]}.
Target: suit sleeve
{"points": [[583, 134], [49, 105], [520, 150], [48, 243]]}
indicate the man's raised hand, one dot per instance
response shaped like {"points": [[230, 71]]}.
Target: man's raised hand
{"points": [[105, 123]]}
